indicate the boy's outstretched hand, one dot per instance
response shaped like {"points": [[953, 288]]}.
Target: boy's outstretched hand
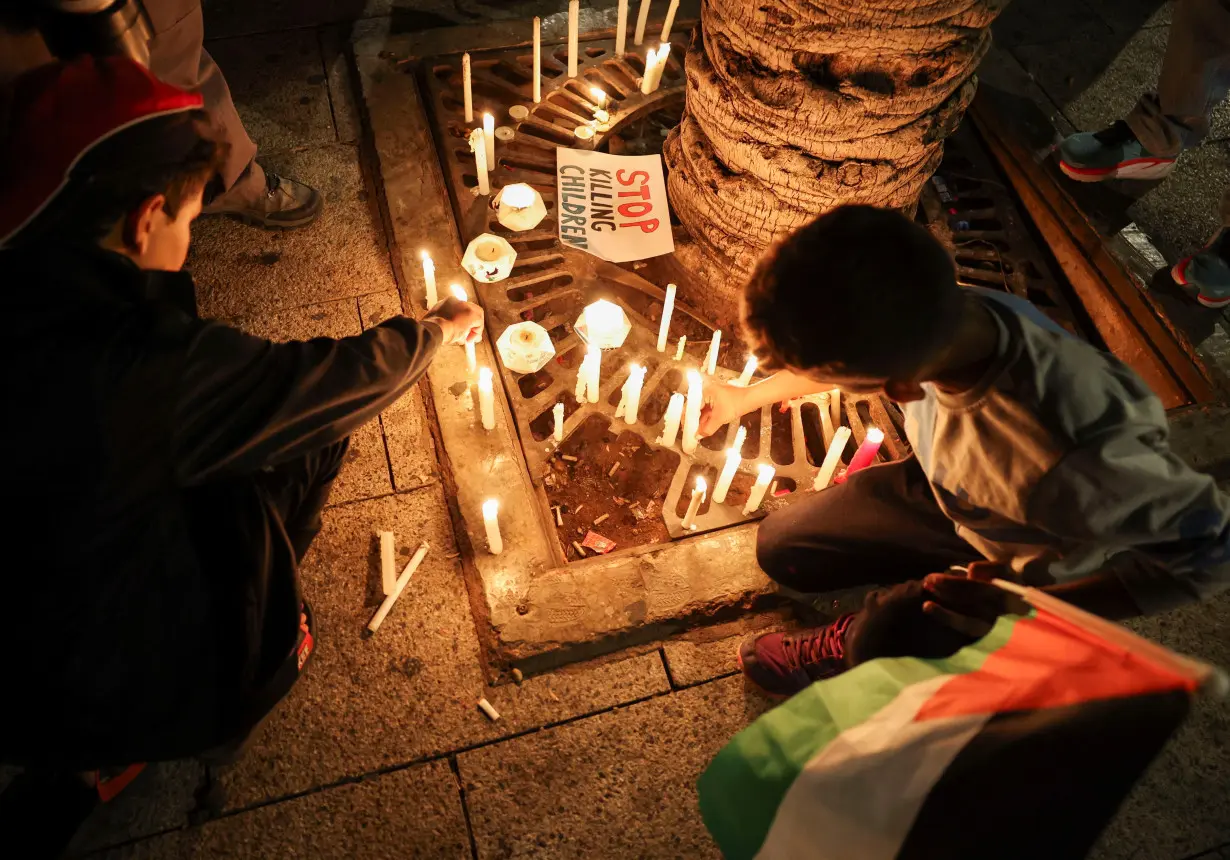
{"points": [[723, 404], [460, 322], [970, 604]]}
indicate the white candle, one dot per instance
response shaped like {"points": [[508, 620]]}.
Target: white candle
{"points": [[388, 563], [667, 309], [471, 355], [712, 357], [763, 477], [698, 496], [674, 412], [740, 438], [537, 60], [479, 147], [594, 379], [621, 28], [402, 582], [582, 378], [429, 279], [691, 414], [683, 339], [489, 138], [642, 16], [632, 391], [467, 88], [486, 398], [748, 369], [574, 10], [651, 58], [666, 37], [832, 458], [733, 459], [557, 412], [491, 522]]}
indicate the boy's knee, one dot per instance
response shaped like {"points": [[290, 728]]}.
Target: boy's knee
{"points": [[776, 554]]}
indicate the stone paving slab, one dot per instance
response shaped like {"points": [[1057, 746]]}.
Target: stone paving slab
{"points": [[1096, 79], [279, 86], [160, 799], [1042, 23], [410, 691], [407, 428], [1130, 16], [338, 67], [410, 813], [620, 784], [246, 271], [237, 17], [1180, 214]]}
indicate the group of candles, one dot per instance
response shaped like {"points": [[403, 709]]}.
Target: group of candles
{"points": [[482, 140]]}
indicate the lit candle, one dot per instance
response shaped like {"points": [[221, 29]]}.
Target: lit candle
{"points": [[537, 60], [471, 356], [832, 458], [733, 459], [605, 324], [582, 378], [479, 148], [698, 496], [594, 378], [865, 455], [429, 278], [651, 57], [748, 369], [489, 138], [467, 88], [667, 309], [740, 438], [683, 339], [621, 28], [666, 37], [599, 96], [557, 412], [574, 9], [674, 412], [520, 207], [711, 358], [642, 17], [486, 398], [763, 476], [632, 393], [491, 522], [691, 414]]}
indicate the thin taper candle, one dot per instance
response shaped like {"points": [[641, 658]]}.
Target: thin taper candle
{"points": [[674, 413], [491, 522], [621, 29], [691, 413], [748, 369], [479, 147], [489, 138], [764, 476], [733, 459], [683, 341], [537, 60], [467, 88], [698, 497], [865, 455], [486, 398], [557, 412], [666, 37], [642, 17], [668, 308], [712, 357], [574, 11], [429, 280], [832, 458]]}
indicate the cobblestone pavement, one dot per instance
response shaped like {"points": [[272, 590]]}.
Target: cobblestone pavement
{"points": [[380, 751]]}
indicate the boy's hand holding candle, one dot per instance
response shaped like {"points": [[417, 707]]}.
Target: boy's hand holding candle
{"points": [[459, 322]]}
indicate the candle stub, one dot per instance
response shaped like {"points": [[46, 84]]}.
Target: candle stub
{"points": [[518, 112], [505, 133], [583, 132], [491, 522]]}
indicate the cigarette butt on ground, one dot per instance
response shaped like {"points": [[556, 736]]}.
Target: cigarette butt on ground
{"points": [[487, 709], [398, 588], [518, 676], [614, 469], [559, 520], [568, 457], [388, 563], [602, 519]]}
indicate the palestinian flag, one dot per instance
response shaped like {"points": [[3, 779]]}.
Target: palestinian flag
{"points": [[1020, 745]]}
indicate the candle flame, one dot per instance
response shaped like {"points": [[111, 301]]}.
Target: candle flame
{"points": [[484, 378], [599, 95], [701, 486], [491, 507], [424, 256], [518, 195], [875, 435], [459, 292], [765, 474]]}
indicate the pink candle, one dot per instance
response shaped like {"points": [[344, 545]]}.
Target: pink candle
{"points": [[864, 456]]}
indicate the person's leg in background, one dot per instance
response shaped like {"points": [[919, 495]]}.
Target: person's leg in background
{"points": [[882, 527], [1195, 77], [249, 192]]}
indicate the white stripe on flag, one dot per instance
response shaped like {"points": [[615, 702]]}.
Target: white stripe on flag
{"points": [[859, 796]]}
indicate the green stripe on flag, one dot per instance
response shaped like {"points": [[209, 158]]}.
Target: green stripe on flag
{"points": [[743, 786]]}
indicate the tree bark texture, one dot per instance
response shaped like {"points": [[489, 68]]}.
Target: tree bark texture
{"points": [[797, 106]]}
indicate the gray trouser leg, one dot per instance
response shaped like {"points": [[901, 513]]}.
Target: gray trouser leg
{"points": [[1195, 77], [178, 57]]}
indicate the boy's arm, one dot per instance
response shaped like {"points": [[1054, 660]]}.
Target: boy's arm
{"points": [[725, 403], [245, 402], [1126, 489]]}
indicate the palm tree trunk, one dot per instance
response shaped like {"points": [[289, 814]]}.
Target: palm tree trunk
{"points": [[797, 106]]}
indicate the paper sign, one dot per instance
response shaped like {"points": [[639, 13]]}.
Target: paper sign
{"points": [[613, 206]]}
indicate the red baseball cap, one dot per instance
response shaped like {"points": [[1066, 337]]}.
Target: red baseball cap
{"points": [[62, 111]]}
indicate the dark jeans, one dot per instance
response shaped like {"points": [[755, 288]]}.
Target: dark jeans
{"points": [[299, 491], [881, 527]]}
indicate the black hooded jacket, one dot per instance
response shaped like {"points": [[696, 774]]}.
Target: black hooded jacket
{"points": [[135, 599]]}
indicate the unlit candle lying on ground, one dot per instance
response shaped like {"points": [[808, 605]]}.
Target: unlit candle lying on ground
{"points": [[388, 563], [402, 580], [488, 709]]}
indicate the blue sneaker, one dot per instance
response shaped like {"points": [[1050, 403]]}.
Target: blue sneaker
{"points": [[1112, 153], [1205, 276]]}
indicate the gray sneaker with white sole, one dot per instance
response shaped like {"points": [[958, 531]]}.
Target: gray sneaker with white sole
{"points": [[263, 198]]}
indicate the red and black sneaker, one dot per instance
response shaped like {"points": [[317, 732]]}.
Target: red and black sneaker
{"points": [[782, 664]]}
